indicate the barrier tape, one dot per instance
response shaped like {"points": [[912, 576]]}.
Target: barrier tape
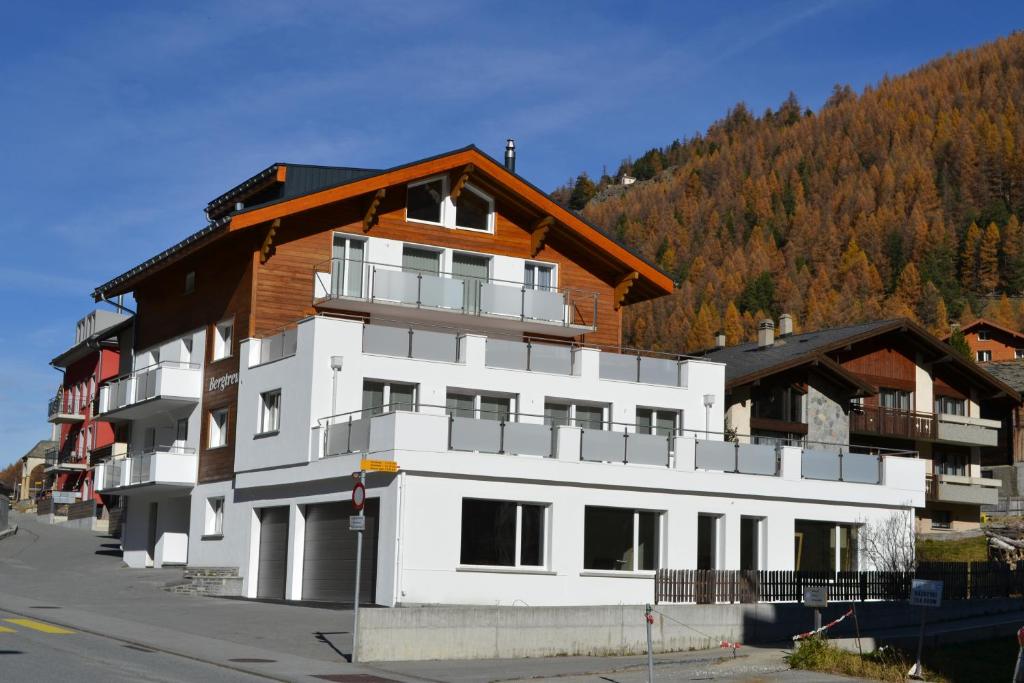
{"points": [[825, 627], [732, 646]]}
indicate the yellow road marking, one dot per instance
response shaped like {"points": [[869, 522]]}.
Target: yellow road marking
{"points": [[4, 629], [38, 626]]}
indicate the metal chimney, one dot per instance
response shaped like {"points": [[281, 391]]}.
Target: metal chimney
{"points": [[719, 340], [785, 325], [510, 155], [765, 334]]}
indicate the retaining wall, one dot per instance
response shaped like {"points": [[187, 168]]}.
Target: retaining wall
{"points": [[4, 506], [424, 633]]}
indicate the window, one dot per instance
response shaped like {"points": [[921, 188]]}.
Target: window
{"points": [[779, 403], [502, 534], [425, 201], [557, 413], [473, 270], [464, 404], [190, 282], [419, 260], [895, 399], [619, 539], [379, 397], [538, 276], [214, 516], [218, 428], [1018, 353], [181, 431], [347, 266], [659, 421], [984, 356], [708, 541], [222, 339], [941, 519], [750, 542], [952, 463], [983, 335], [947, 405], [816, 549], [270, 411], [149, 440], [473, 210]]}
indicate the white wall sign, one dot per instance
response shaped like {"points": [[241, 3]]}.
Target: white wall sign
{"points": [[223, 382], [926, 593], [816, 596]]}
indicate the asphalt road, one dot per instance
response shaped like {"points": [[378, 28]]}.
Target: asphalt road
{"points": [[32, 650]]}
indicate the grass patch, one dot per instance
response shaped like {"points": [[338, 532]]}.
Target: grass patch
{"points": [[986, 660], [959, 550], [887, 664]]}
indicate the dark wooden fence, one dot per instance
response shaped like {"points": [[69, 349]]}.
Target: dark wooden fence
{"points": [[961, 581], [82, 510]]}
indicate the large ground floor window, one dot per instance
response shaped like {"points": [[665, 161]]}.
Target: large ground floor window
{"points": [[824, 546], [620, 539], [502, 533]]}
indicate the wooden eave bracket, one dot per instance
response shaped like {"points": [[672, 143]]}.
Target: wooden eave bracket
{"points": [[461, 182], [267, 248], [370, 219], [622, 289], [539, 234]]}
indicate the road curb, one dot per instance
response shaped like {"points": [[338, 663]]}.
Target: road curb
{"points": [[8, 532]]}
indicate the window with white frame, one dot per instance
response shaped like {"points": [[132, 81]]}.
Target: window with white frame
{"points": [[474, 210], [588, 416], [348, 256], [502, 533], [708, 541], [947, 405], [485, 407], [538, 276], [222, 336], [214, 516], [984, 356], [425, 200], [659, 421], [983, 335], [750, 542], [621, 539], [270, 411], [218, 428], [1018, 353], [379, 397]]}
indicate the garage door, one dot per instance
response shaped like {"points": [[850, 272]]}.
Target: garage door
{"points": [[329, 562], [273, 552]]}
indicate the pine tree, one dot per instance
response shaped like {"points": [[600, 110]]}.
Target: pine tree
{"points": [[960, 345], [733, 325], [988, 260], [969, 258], [1013, 256], [582, 192]]}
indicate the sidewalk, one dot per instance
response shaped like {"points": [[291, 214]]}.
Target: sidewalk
{"points": [[75, 578]]}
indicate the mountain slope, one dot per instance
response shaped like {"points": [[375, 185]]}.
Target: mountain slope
{"points": [[900, 201]]}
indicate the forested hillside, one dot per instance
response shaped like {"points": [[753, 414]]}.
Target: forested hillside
{"points": [[903, 200]]}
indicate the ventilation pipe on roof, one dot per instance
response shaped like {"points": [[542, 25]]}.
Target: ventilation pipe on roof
{"points": [[510, 155], [765, 334], [719, 340], [239, 206], [785, 325]]}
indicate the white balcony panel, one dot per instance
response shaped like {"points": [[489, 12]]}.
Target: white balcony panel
{"points": [[150, 472], [150, 391], [972, 431]]}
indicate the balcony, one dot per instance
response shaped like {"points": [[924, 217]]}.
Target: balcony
{"points": [[151, 390], [900, 424], [950, 488], [109, 452], [156, 469], [61, 459], [59, 413], [970, 431], [447, 298], [436, 429]]}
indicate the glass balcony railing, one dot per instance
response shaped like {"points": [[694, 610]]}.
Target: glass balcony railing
{"points": [[344, 279]]}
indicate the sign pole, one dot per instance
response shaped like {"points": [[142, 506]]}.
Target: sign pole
{"points": [[924, 594], [359, 565], [817, 620], [649, 620], [1018, 671]]}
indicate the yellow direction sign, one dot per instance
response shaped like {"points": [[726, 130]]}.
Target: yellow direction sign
{"points": [[378, 465]]}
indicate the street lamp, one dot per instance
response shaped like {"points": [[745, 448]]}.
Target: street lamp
{"points": [[709, 400]]}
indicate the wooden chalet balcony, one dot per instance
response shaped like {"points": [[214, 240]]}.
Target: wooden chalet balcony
{"points": [[902, 424]]}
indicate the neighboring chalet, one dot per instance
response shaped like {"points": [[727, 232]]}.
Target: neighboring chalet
{"points": [[84, 438], [991, 342], [879, 385], [450, 318], [31, 474]]}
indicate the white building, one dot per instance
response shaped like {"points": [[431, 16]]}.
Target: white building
{"points": [[446, 316]]}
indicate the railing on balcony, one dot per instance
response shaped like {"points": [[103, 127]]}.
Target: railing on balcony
{"points": [[56, 405], [907, 424], [407, 342], [113, 473], [54, 456], [279, 345], [141, 463], [379, 282], [140, 385], [530, 356]]}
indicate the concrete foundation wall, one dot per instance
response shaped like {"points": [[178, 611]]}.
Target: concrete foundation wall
{"points": [[424, 633]]}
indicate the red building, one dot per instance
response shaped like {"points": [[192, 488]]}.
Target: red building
{"points": [[992, 342], [82, 440]]}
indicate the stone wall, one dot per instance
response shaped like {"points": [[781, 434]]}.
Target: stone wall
{"points": [[828, 419]]}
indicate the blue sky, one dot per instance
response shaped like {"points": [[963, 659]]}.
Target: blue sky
{"points": [[121, 120]]}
